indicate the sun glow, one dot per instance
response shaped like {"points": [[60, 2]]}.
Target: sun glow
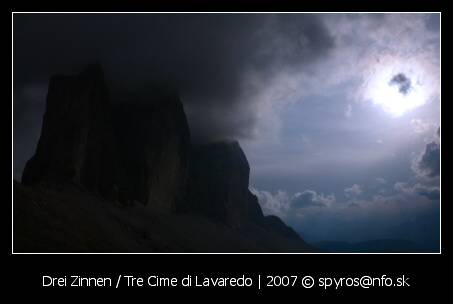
{"points": [[397, 90]]}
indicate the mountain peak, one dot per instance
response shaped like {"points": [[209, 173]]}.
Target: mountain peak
{"points": [[141, 151]]}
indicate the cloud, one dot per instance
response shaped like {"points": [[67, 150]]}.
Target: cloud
{"points": [[427, 164], [430, 161], [282, 204], [381, 180], [421, 126], [348, 111], [217, 62], [310, 198], [382, 215], [430, 192], [403, 83], [404, 53], [273, 203], [353, 191]]}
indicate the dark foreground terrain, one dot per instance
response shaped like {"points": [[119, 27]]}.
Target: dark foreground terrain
{"points": [[73, 221]]}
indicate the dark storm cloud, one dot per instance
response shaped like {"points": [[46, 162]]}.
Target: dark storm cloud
{"points": [[403, 82], [428, 164], [430, 160], [206, 57]]}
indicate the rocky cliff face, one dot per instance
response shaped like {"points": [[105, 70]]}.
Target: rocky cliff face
{"points": [[218, 187], [135, 151], [218, 182], [153, 144], [76, 144], [254, 212]]}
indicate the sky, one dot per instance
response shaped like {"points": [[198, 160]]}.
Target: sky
{"points": [[338, 114]]}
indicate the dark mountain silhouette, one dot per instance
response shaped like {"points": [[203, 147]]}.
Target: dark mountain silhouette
{"points": [[77, 142], [125, 177]]}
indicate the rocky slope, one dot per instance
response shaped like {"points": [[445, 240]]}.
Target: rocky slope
{"points": [[124, 177], [70, 220]]}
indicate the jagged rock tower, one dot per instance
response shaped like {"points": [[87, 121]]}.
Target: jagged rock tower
{"points": [[77, 143], [140, 151], [122, 151]]}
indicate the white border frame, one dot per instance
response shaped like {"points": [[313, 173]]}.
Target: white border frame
{"points": [[230, 253]]}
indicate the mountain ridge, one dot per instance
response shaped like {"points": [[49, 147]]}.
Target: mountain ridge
{"points": [[136, 155]]}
